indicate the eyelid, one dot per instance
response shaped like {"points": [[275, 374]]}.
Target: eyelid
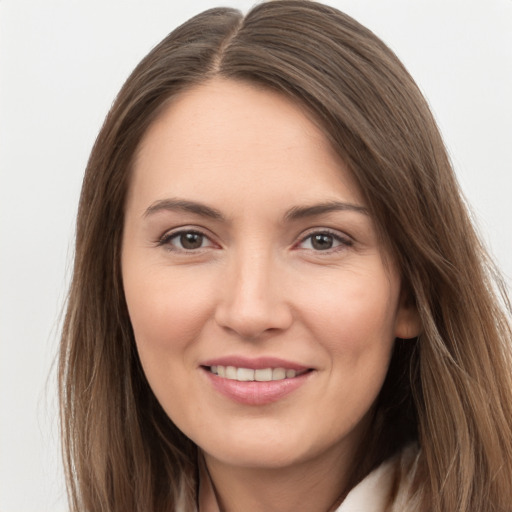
{"points": [[341, 237], [344, 239], [164, 240]]}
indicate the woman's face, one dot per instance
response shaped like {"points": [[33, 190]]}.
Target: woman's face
{"points": [[263, 311]]}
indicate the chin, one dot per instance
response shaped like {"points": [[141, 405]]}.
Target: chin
{"points": [[258, 456], [267, 448]]}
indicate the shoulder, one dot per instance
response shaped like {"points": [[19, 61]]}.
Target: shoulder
{"points": [[389, 488]]}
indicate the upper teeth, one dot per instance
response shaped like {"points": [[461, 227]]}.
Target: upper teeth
{"points": [[247, 374]]}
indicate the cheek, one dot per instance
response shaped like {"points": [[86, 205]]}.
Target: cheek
{"points": [[167, 315], [354, 324], [167, 310], [353, 321], [353, 314]]}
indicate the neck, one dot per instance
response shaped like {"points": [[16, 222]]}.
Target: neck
{"points": [[311, 486]]}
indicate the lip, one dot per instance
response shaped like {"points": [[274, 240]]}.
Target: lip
{"points": [[254, 363], [255, 393]]}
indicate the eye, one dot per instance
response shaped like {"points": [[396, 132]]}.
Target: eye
{"points": [[188, 240], [324, 241]]}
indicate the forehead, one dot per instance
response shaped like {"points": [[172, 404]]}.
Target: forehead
{"points": [[228, 134]]}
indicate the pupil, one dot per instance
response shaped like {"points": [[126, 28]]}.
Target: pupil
{"points": [[191, 240], [322, 242]]}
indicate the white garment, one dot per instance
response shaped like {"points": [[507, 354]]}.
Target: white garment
{"points": [[386, 489]]}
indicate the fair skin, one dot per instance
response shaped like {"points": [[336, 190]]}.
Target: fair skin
{"points": [[247, 244]]}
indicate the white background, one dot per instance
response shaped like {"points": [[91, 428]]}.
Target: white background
{"points": [[61, 64]]}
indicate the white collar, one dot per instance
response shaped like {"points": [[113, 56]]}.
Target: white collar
{"points": [[388, 485]]}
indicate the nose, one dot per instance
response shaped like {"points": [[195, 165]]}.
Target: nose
{"points": [[253, 299]]}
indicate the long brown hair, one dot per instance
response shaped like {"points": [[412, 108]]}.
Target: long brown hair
{"points": [[450, 389]]}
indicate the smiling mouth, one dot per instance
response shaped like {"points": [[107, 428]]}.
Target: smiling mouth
{"points": [[251, 375]]}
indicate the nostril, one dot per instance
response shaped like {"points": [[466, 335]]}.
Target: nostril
{"points": [[253, 323]]}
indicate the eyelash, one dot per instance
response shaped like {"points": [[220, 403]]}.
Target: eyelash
{"points": [[343, 241], [167, 238]]}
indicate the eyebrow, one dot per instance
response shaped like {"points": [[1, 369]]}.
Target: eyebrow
{"points": [[301, 212], [184, 206], [294, 213]]}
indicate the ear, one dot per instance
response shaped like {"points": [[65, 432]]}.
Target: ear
{"points": [[408, 322]]}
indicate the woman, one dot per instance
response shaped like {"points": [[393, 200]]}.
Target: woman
{"points": [[279, 301]]}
